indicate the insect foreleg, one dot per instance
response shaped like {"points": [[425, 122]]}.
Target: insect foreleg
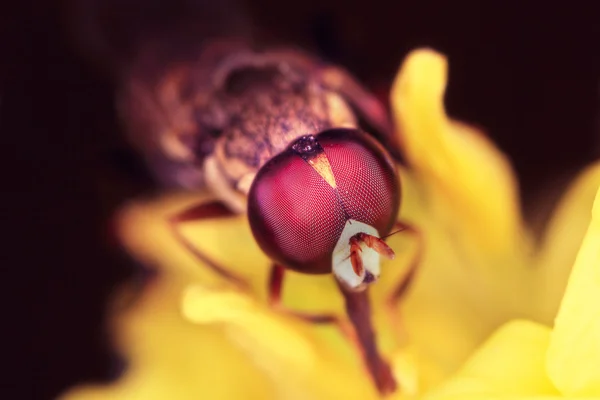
{"points": [[197, 213], [403, 285]]}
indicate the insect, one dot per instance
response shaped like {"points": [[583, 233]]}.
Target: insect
{"points": [[295, 143]]}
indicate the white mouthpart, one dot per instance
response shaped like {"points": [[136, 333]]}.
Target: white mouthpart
{"points": [[340, 259]]}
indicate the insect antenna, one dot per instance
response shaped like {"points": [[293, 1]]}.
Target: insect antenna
{"points": [[393, 233]]}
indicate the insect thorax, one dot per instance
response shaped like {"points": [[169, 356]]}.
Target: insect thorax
{"points": [[268, 109], [231, 106]]}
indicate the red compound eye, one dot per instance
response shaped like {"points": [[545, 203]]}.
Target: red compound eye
{"points": [[301, 199]]}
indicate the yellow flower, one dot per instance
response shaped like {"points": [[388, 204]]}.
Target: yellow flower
{"points": [[191, 334]]}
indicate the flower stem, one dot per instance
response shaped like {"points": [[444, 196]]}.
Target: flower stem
{"points": [[359, 311]]}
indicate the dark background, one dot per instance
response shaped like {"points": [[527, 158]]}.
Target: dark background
{"points": [[529, 74]]}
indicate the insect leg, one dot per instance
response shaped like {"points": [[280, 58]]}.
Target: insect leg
{"points": [[403, 285], [200, 212], [275, 288]]}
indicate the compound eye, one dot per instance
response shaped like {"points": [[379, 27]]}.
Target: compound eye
{"points": [[301, 200], [365, 175], [295, 214]]}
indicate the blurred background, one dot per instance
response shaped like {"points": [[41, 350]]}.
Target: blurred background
{"points": [[529, 74]]}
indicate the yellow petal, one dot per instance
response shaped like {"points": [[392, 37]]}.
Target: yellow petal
{"points": [[170, 358], [461, 292], [299, 364], [574, 353], [510, 363], [562, 240], [462, 195], [461, 167]]}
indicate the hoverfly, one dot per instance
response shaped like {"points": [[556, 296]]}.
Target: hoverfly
{"points": [[297, 144]]}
